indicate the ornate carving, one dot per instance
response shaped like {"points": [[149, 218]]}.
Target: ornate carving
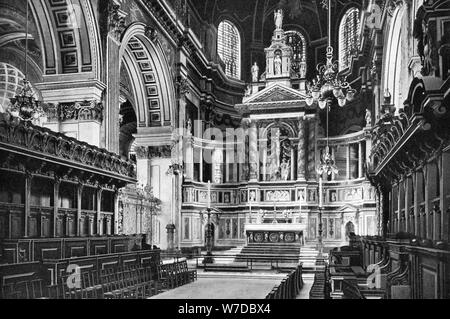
{"points": [[116, 21], [76, 111], [45, 141], [151, 33]]}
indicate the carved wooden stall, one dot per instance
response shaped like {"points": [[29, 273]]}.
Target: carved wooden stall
{"points": [[55, 192]]}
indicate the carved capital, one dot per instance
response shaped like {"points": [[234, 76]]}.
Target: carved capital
{"points": [[116, 21]]}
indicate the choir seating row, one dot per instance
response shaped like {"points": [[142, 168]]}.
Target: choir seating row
{"points": [[130, 281], [289, 287]]}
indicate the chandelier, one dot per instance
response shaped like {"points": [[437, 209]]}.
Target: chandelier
{"points": [[329, 83], [24, 106]]}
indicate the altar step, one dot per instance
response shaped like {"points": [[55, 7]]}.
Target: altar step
{"points": [[234, 267]]}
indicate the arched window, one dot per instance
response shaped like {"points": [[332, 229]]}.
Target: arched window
{"points": [[349, 37], [297, 42], [229, 48]]}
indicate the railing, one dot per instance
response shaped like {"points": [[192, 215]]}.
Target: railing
{"points": [[251, 261], [290, 286]]}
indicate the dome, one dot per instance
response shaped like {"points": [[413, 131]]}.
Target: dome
{"points": [[11, 80]]}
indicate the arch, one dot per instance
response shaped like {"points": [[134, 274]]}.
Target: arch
{"points": [[148, 66], [393, 52], [348, 36], [229, 48]]}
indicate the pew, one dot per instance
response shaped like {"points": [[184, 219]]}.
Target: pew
{"points": [[290, 287]]}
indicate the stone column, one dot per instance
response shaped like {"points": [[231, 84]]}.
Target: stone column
{"points": [[56, 184], [116, 213], [143, 165], [77, 221], [189, 159], [253, 152], [170, 237], [301, 159], [112, 107], [348, 162], [99, 223], [108, 225], [360, 160], [445, 200], [416, 206], [312, 148], [27, 207], [217, 160]]}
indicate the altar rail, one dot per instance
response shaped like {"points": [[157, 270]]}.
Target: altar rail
{"points": [[29, 250]]}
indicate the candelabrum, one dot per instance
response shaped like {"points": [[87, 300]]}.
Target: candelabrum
{"points": [[329, 83], [24, 105], [209, 234]]}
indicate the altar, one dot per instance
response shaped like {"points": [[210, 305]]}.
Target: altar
{"points": [[275, 233]]}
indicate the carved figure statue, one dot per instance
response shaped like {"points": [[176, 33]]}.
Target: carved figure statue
{"points": [[255, 72], [277, 64], [368, 118], [278, 16], [285, 170]]}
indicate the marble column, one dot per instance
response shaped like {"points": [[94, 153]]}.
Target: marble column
{"points": [[99, 220], [112, 95], [189, 159], [301, 159], [217, 159], [360, 160], [27, 201], [78, 216], [312, 148], [116, 213], [253, 152], [56, 185]]}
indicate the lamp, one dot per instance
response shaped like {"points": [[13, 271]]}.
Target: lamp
{"points": [[329, 83], [24, 106]]}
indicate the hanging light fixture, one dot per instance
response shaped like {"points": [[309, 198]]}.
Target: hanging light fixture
{"points": [[24, 106], [327, 164], [329, 83]]}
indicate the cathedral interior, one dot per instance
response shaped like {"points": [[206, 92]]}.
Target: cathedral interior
{"points": [[150, 148]]}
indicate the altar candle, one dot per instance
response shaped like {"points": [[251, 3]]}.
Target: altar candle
{"points": [[209, 194]]}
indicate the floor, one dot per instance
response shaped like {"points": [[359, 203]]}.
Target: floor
{"points": [[232, 286]]}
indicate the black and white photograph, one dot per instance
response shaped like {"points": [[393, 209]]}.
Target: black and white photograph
{"points": [[218, 156]]}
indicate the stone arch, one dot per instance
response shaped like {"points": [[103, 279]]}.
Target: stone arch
{"points": [[392, 53], [148, 65]]}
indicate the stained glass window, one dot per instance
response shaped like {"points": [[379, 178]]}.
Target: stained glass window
{"points": [[229, 48], [297, 42]]}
